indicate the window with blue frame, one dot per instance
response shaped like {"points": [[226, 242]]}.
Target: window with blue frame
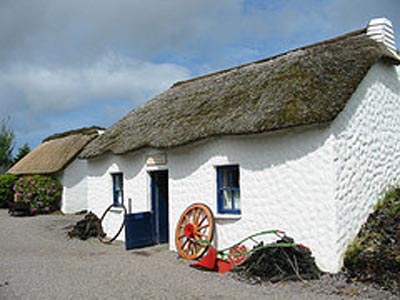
{"points": [[228, 189], [118, 188]]}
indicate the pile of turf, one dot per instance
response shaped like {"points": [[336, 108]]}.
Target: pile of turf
{"points": [[280, 264], [90, 226], [374, 256]]}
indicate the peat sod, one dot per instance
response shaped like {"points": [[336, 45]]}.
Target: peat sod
{"points": [[89, 227]]}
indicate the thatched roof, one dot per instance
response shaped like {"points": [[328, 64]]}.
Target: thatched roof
{"points": [[55, 152], [84, 131], [309, 85]]}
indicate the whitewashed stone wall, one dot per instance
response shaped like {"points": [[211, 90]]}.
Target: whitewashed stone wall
{"points": [[74, 181], [136, 187], [317, 184], [286, 182], [368, 150]]}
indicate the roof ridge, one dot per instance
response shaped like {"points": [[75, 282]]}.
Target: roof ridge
{"points": [[324, 42], [84, 130]]}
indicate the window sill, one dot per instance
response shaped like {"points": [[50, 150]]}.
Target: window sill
{"points": [[117, 209], [228, 217]]}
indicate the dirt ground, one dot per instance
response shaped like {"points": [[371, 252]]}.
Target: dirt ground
{"points": [[39, 261]]}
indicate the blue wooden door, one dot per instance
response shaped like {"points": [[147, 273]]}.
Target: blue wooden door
{"points": [[159, 202], [138, 230]]}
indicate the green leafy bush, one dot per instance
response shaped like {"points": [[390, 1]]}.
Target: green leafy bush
{"points": [[42, 192], [7, 182]]}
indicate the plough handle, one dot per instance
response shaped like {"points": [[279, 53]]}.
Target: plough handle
{"points": [[276, 232]]}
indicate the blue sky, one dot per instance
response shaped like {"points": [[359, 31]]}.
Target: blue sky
{"points": [[70, 64]]}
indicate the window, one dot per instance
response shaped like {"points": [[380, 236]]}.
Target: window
{"points": [[118, 189], [228, 190]]}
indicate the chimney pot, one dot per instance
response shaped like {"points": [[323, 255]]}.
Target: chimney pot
{"points": [[381, 30]]}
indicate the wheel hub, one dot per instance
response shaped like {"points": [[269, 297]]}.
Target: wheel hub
{"points": [[189, 230]]}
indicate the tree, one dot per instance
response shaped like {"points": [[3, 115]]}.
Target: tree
{"points": [[7, 144], [22, 151]]}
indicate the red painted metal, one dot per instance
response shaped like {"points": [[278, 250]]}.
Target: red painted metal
{"points": [[212, 263], [188, 230], [223, 266], [239, 254], [303, 246], [208, 261]]}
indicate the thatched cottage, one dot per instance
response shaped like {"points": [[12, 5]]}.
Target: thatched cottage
{"points": [[57, 155], [305, 141]]}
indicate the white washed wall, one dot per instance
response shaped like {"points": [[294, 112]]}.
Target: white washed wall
{"points": [[100, 193], [368, 150], [74, 181], [286, 182]]}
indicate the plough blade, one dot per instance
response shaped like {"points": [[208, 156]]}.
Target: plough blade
{"points": [[212, 263], [208, 261]]}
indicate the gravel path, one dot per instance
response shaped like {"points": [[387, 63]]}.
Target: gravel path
{"points": [[39, 261]]}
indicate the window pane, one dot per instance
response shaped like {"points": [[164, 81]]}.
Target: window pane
{"points": [[118, 182], [235, 178], [119, 197], [227, 199], [236, 199], [225, 178]]}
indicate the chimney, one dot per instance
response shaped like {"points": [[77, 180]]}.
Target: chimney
{"points": [[381, 30]]}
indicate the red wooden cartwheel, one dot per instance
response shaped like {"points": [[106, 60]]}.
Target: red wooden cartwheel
{"points": [[239, 254], [195, 223]]}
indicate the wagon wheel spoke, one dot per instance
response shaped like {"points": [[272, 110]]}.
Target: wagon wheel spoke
{"points": [[203, 227], [188, 247], [187, 218], [197, 216], [202, 234], [202, 220], [185, 243]]}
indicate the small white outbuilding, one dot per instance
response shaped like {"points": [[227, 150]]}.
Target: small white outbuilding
{"points": [[57, 155], [305, 141]]}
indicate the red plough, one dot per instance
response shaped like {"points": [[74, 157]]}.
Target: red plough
{"points": [[194, 237]]}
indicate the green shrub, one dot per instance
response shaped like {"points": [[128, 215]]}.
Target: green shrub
{"points": [[42, 192], [390, 195], [7, 182], [374, 255]]}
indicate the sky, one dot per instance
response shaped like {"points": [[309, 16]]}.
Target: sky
{"points": [[66, 64]]}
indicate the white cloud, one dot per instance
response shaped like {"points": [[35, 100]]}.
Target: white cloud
{"points": [[50, 99], [77, 32], [74, 31], [52, 89]]}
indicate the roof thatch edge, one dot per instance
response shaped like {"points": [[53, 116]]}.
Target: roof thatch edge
{"points": [[85, 131]]}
